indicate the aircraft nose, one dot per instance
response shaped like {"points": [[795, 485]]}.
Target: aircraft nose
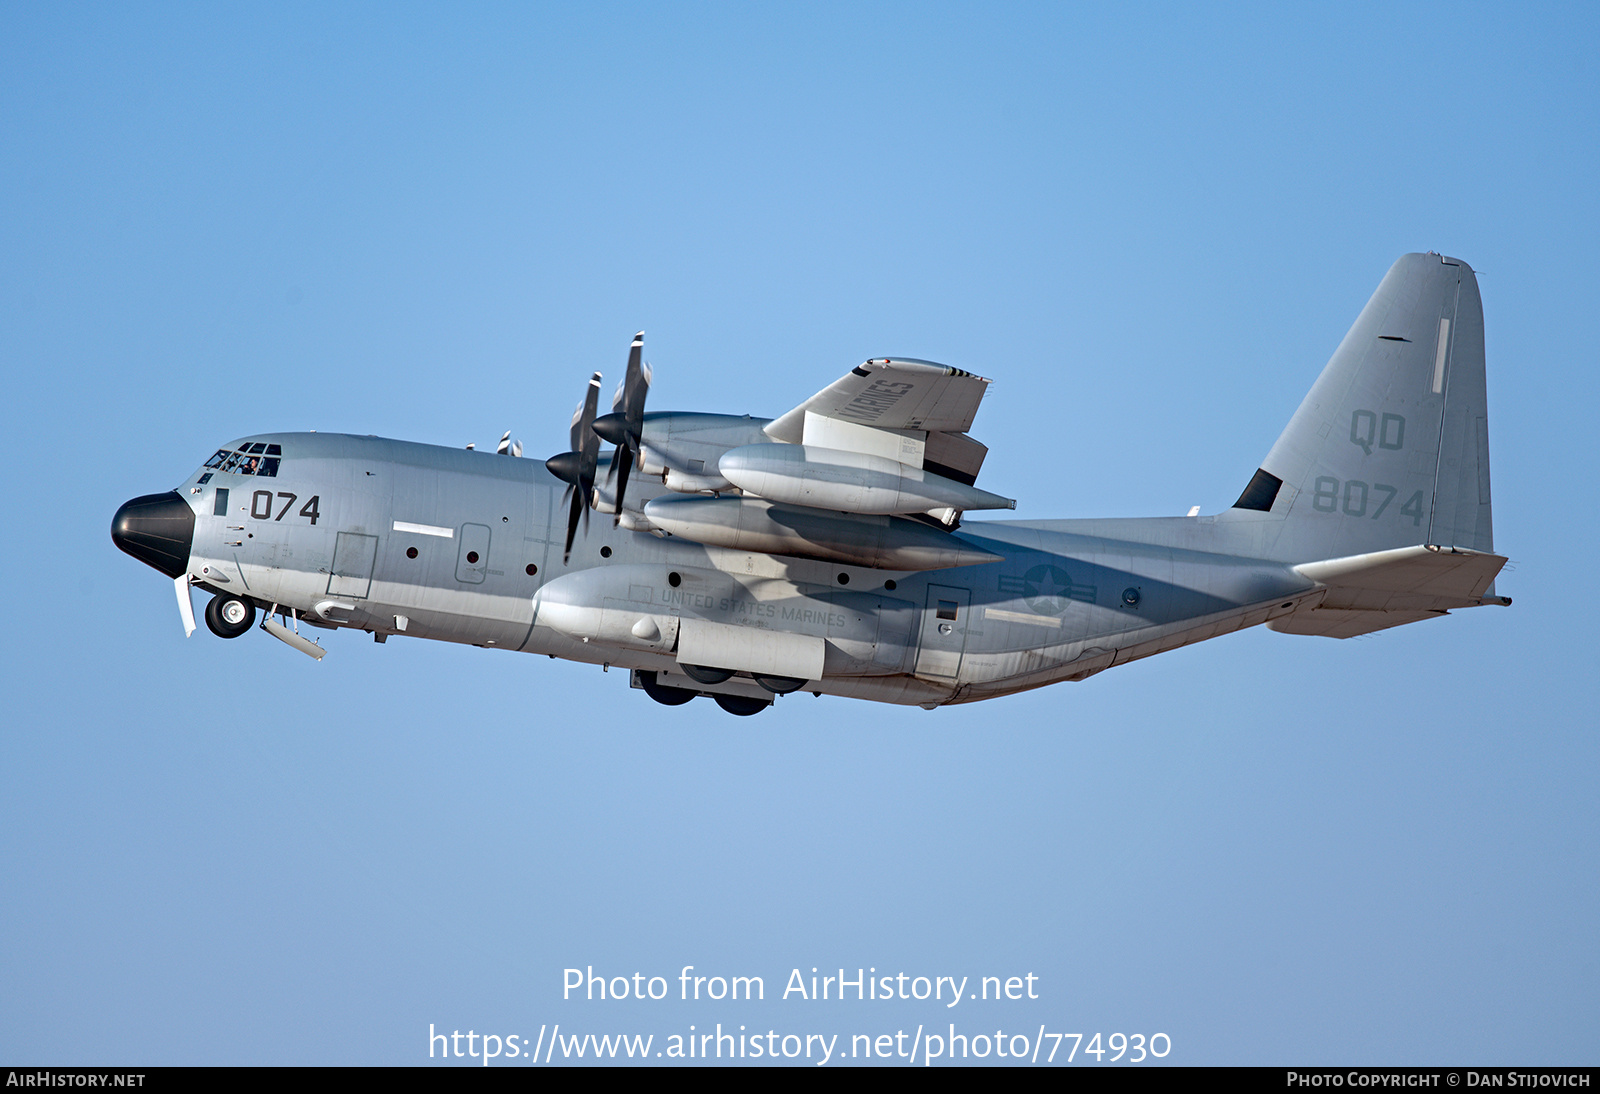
{"points": [[156, 529]]}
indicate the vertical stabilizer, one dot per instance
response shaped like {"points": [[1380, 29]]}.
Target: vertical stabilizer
{"points": [[1391, 446]]}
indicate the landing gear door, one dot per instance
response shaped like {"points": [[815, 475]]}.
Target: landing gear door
{"points": [[944, 632]]}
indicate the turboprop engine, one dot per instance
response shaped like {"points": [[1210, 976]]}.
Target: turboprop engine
{"points": [[852, 482]]}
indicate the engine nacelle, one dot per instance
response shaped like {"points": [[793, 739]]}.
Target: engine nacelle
{"points": [[683, 482], [692, 443]]}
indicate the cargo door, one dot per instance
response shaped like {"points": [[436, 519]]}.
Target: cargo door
{"points": [[944, 632], [472, 556]]}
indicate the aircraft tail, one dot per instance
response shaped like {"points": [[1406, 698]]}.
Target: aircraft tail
{"points": [[1391, 446]]}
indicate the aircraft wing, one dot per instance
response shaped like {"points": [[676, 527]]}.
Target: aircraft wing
{"points": [[915, 411], [886, 393]]}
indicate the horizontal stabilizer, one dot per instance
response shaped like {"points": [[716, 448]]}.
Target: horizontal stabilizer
{"points": [[1381, 589]]}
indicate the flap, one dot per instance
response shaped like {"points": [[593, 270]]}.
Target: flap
{"points": [[750, 649], [891, 393]]}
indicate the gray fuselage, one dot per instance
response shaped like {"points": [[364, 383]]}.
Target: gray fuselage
{"points": [[1373, 510]]}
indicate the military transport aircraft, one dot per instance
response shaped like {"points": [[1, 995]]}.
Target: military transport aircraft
{"points": [[745, 558]]}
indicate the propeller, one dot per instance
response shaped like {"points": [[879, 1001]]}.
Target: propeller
{"points": [[577, 468], [624, 426]]}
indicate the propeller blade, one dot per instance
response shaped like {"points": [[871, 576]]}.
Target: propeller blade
{"points": [[577, 418], [622, 463], [633, 381], [577, 468], [573, 510], [588, 445], [578, 508], [624, 426]]}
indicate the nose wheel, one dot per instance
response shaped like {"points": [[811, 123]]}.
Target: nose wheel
{"points": [[229, 616]]}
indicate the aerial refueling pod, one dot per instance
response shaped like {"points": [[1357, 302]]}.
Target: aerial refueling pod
{"points": [[756, 524], [853, 482]]}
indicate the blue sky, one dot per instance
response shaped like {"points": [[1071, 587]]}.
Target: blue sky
{"points": [[1150, 225]]}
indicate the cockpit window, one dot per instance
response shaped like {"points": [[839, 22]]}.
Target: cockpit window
{"points": [[259, 459]]}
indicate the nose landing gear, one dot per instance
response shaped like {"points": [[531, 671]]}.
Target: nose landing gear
{"points": [[229, 616]]}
